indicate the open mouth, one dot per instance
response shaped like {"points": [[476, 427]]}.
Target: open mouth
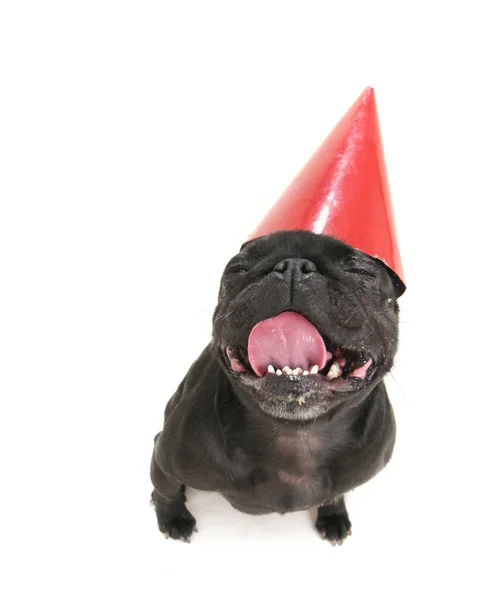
{"points": [[289, 346]]}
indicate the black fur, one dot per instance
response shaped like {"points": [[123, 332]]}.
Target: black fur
{"points": [[253, 439]]}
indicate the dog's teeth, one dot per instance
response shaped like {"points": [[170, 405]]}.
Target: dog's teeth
{"points": [[314, 370], [271, 369], [278, 371], [335, 371], [305, 372], [287, 371], [297, 371]]}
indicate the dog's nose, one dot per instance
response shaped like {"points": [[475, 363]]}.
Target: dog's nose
{"points": [[295, 267]]}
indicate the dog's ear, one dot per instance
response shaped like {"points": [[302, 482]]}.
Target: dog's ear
{"points": [[397, 284], [245, 244]]}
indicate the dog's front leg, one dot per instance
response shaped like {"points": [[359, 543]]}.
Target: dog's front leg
{"points": [[168, 496], [333, 522]]}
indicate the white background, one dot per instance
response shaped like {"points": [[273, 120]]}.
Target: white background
{"points": [[140, 143]]}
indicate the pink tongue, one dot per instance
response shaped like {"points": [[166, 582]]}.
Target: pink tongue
{"points": [[288, 340]]}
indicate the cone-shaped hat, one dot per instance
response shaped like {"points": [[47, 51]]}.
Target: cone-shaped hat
{"points": [[343, 190]]}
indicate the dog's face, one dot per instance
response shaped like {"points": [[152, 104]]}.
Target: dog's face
{"points": [[304, 322]]}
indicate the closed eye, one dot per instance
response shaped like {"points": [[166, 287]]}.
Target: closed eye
{"points": [[362, 272], [237, 268]]}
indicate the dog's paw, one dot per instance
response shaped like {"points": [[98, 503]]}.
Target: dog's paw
{"points": [[178, 526], [334, 528]]}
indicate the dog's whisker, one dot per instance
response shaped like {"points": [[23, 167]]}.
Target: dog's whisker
{"points": [[403, 393], [368, 336], [222, 317]]}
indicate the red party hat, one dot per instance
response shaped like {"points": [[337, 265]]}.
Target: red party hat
{"points": [[343, 190]]}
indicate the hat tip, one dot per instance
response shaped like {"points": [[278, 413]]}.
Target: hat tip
{"points": [[367, 98], [369, 92]]}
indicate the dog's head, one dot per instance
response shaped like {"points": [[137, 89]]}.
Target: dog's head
{"points": [[304, 322]]}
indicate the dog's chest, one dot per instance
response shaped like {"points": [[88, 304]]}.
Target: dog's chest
{"points": [[296, 452], [292, 475]]}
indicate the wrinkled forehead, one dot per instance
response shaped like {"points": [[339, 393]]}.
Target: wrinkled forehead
{"points": [[301, 244]]}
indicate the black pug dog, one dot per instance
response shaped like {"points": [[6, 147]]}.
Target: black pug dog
{"points": [[286, 408]]}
